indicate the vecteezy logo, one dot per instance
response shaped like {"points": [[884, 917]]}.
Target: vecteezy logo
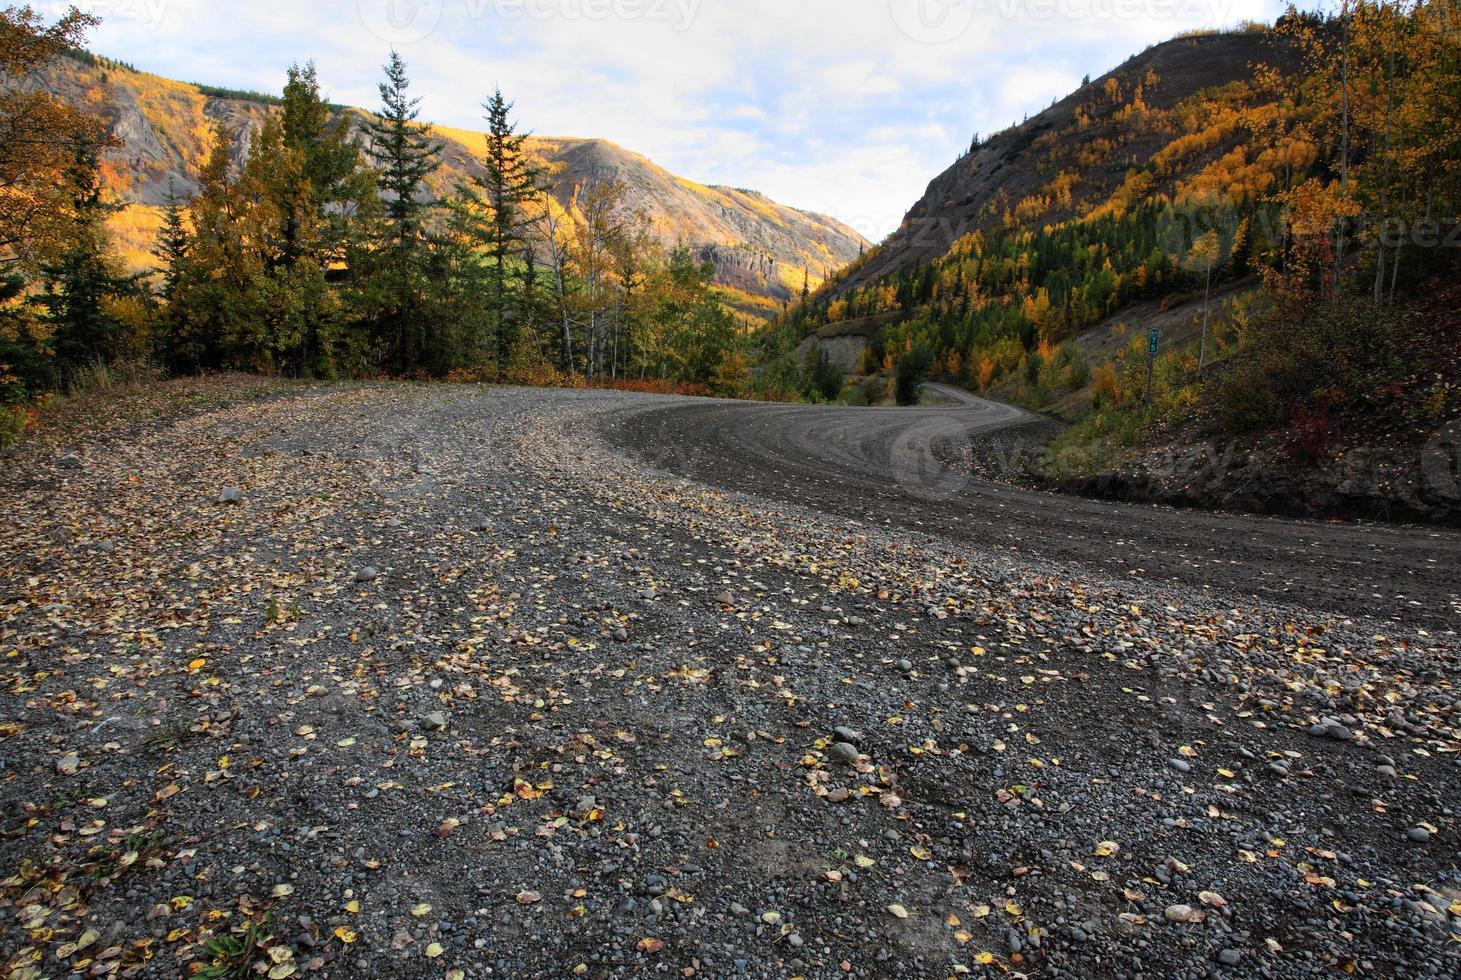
{"points": [[932, 21], [928, 458], [400, 21]]}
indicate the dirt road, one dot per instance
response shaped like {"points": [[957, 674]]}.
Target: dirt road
{"points": [[454, 687], [903, 468]]}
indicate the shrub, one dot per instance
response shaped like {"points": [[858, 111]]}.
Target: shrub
{"points": [[908, 380], [1336, 356], [15, 422]]}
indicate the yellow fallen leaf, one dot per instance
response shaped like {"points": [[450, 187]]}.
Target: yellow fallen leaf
{"points": [[345, 934], [434, 950], [898, 910], [420, 910]]}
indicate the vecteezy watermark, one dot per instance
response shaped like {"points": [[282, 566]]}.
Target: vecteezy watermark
{"points": [[407, 21], [934, 21], [401, 21], [148, 14], [942, 21], [931, 458]]}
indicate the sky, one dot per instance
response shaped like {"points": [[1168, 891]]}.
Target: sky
{"points": [[847, 107]]}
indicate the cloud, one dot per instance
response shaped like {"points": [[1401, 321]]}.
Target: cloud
{"points": [[848, 107]]}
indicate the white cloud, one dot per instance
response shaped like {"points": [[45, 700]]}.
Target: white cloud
{"points": [[843, 106]]}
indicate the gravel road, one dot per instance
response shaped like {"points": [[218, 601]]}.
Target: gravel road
{"points": [[456, 681], [910, 469]]}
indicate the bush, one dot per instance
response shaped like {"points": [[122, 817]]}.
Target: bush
{"points": [[15, 422], [820, 377], [1337, 356], [869, 391], [908, 380]]}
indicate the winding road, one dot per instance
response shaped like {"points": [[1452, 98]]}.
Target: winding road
{"points": [[893, 466]]}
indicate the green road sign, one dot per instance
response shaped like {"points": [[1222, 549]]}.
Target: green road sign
{"points": [[1151, 341]]}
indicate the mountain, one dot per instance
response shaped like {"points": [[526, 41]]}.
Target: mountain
{"points": [[1069, 160], [1053, 226], [761, 250]]}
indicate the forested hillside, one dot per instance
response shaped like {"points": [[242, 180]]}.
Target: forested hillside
{"points": [[762, 251], [1308, 174], [153, 226]]}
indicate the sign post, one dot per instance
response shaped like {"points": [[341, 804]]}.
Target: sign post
{"points": [[1153, 339]]}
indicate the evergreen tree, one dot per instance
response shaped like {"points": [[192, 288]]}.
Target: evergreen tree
{"points": [[340, 187], [396, 278], [499, 198], [25, 367], [173, 241], [214, 294], [82, 279], [406, 155]]}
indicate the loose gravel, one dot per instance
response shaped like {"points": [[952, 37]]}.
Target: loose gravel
{"points": [[455, 687]]}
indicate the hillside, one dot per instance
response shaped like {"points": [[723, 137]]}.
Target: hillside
{"points": [[1054, 226], [1069, 160], [1228, 193], [760, 248]]}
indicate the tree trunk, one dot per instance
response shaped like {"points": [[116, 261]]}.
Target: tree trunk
{"points": [[1206, 301], [1343, 143]]}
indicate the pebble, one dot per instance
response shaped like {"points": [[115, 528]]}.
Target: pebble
{"points": [[844, 753], [1418, 835], [367, 574], [436, 721], [230, 495], [1332, 730]]}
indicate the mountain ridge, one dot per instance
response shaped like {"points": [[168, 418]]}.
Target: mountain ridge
{"points": [[761, 249], [958, 201]]}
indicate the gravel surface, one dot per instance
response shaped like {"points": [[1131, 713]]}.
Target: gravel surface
{"points": [[914, 470], [455, 686]]}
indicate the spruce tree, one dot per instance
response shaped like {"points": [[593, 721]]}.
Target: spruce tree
{"points": [[214, 293], [339, 186], [405, 155], [499, 198], [173, 241], [83, 277]]}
